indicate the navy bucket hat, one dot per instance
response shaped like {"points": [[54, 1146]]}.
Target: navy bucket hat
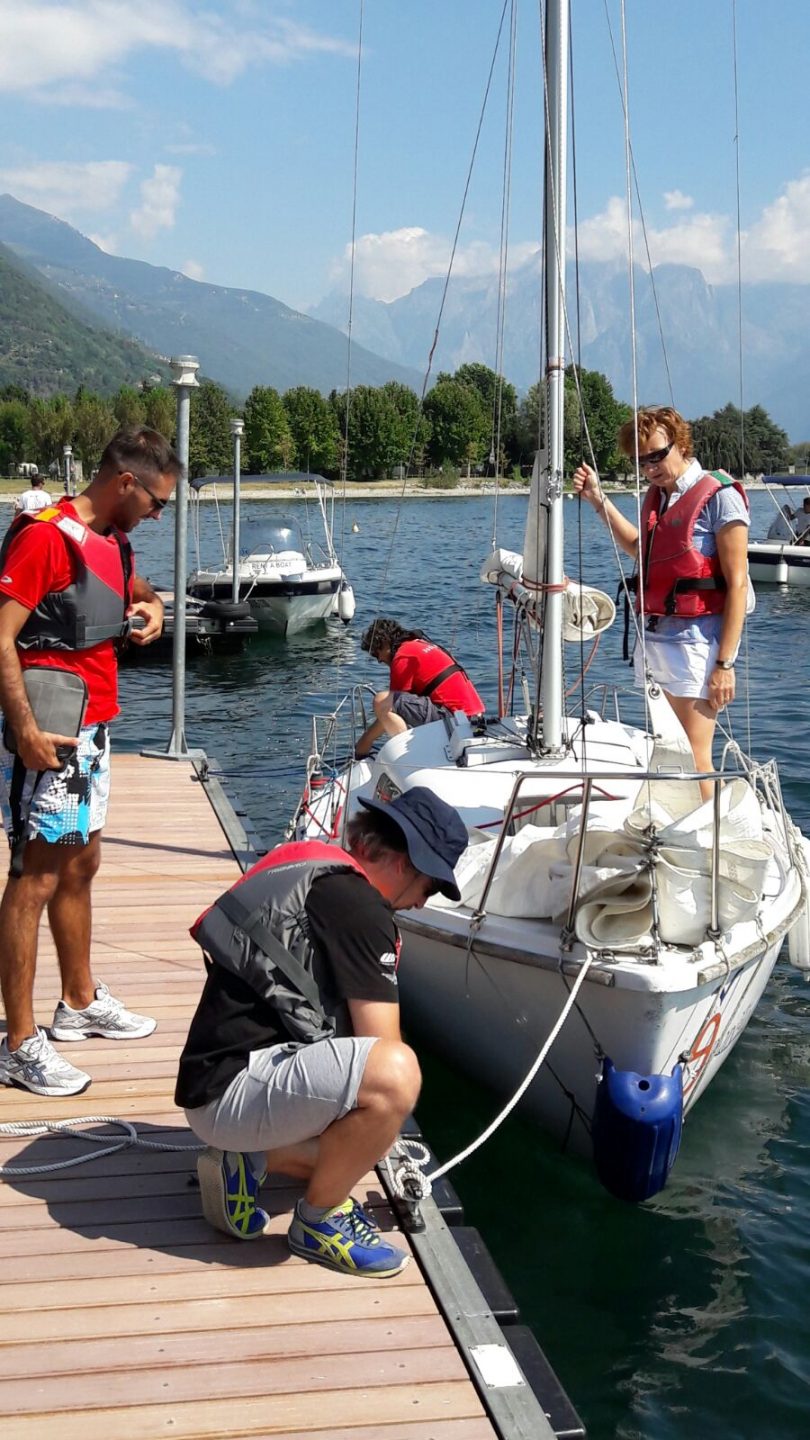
{"points": [[435, 834]]}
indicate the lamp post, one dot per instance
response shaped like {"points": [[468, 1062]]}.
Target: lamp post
{"points": [[237, 430], [184, 368], [67, 451]]}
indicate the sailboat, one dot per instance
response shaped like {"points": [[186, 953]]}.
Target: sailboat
{"points": [[615, 932], [288, 582]]}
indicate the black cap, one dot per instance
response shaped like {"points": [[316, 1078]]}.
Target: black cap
{"points": [[435, 834]]}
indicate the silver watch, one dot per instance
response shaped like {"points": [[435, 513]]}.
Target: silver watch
{"points": [[724, 664]]}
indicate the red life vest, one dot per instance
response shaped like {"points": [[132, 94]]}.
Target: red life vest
{"points": [[436, 675], [94, 606], [678, 580], [258, 931]]}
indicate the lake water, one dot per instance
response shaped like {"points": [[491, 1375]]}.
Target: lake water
{"points": [[682, 1318]]}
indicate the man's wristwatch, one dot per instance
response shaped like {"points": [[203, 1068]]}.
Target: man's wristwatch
{"points": [[724, 664]]}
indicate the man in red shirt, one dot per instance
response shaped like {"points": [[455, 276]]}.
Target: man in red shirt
{"points": [[67, 590], [425, 683]]}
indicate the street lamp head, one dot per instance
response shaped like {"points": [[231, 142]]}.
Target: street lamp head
{"points": [[237, 427], [67, 451], [184, 370]]}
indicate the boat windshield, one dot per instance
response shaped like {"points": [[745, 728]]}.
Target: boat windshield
{"points": [[276, 540]]}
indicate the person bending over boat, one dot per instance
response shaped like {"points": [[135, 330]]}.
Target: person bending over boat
{"points": [[425, 682], [692, 559], [294, 1060]]}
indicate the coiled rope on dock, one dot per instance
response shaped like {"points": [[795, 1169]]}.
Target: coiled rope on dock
{"points": [[75, 1127]]}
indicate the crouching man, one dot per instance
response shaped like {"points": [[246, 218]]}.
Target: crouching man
{"points": [[294, 1061]]}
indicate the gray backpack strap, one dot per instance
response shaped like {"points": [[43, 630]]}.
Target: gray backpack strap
{"points": [[249, 923]]}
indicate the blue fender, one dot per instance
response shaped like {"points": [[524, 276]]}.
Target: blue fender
{"points": [[636, 1132]]}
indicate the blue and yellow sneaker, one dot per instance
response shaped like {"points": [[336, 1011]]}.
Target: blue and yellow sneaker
{"points": [[346, 1239], [229, 1187]]}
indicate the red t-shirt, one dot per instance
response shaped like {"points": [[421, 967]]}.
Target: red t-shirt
{"points": [[38, 561], [417, 662]]}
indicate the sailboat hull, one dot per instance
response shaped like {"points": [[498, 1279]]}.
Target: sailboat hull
{"points": [[489, 1016]]}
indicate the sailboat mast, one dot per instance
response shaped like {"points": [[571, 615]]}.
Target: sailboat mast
{"points": [[556, 43]]}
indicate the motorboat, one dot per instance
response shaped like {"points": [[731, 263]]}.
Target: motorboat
{"points": [[782, 558], [287, 581]]}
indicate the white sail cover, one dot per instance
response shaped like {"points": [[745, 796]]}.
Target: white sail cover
{"points": [[586, 611]]}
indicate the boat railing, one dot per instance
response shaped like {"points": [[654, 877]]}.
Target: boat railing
{"points": [[332, 743], [763, 779]]}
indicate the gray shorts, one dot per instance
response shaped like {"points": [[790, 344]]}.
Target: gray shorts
{"points": [[287, 1093], [415, 709]]}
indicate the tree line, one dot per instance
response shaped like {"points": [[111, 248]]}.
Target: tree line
{"points": [[470, 420]]}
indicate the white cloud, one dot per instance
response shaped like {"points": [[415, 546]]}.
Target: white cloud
{"points": [[109, 243], [676, 200], [193, 269], [700, 240], [159, 197], [775, 247], [391, 264], [44, 43], [65, 188]]}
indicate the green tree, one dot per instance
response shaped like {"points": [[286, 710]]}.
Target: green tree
{"points": [[719, 440], [269, 442], [51, 423], [412, 427], [160, 411], [15, 434], [604, 415], [314, 430], [459, 424], [94, 423], [129, 406], [375, 431], [210, 446], [499, 399]]}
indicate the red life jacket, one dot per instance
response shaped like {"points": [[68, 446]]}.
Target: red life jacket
{"points": [[258, 931], [437, 676], [678, 580], [94, 606]]}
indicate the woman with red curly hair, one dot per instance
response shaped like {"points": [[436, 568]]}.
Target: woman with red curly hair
{"points": [[692, 564]]}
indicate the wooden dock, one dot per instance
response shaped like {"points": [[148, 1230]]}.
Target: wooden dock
{"points": [[121, 1312]]}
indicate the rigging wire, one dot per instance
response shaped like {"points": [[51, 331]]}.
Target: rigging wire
{"points": [[740, 337], [442, 303], [500, 320], [344, 466], [642, 219]]}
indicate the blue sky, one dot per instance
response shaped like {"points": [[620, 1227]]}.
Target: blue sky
{"points": [[217, 138]]}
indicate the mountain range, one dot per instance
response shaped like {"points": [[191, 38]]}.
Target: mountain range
{"points": [[699, 323], [241, 337], [57, 287]]}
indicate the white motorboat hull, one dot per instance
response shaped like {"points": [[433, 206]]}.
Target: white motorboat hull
{"points": [[775, 563], [280, 604]]}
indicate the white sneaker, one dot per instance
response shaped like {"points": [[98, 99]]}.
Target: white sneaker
{"points": [[104, 1016], [36, 1066]]}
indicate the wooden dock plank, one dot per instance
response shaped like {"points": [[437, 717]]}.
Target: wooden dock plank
{"points": [[121, 1311]]}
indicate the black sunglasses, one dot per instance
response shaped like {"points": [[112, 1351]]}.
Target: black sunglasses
{"points": [[656, 456], [157, 502]]}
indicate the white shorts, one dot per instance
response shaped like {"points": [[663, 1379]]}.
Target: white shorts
{"points": [[682, 669]]}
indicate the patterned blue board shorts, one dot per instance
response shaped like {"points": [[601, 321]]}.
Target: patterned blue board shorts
{"points": [[62, 807]]}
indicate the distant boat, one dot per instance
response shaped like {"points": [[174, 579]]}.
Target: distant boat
{"points": [[781, 560], [288, 582]]}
